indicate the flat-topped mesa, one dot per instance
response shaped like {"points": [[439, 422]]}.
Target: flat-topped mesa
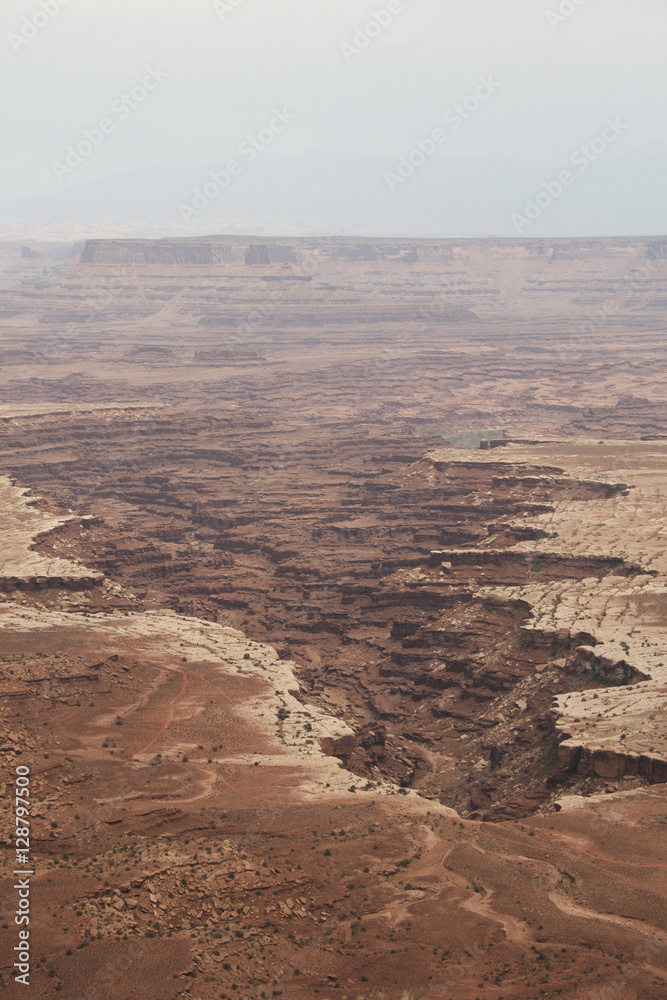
{"points": [[226, 249], [186, 252]]}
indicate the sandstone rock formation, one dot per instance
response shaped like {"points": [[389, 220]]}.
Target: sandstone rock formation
{"points": [[320, 696]]}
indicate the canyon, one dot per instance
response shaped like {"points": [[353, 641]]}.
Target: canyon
{"points": [[333, 605]]}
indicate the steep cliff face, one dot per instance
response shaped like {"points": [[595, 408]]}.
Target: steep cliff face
{"points": [[186, 252], [657, 250], [261, 254], [35, 253], [619, 731]]}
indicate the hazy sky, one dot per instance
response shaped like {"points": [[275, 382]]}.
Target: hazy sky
{"points": [[226, 70]]}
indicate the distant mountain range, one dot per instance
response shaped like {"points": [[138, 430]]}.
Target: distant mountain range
{"points": [[349, 194]]}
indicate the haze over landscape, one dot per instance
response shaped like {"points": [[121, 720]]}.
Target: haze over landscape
{"points": [[333, 485], [361, 100]]}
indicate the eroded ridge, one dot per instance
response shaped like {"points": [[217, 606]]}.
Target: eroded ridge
{"points": [[613, 623], [21, 525]]}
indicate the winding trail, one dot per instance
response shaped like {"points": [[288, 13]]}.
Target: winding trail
{"points": [[169, 715], [572, 910]]}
